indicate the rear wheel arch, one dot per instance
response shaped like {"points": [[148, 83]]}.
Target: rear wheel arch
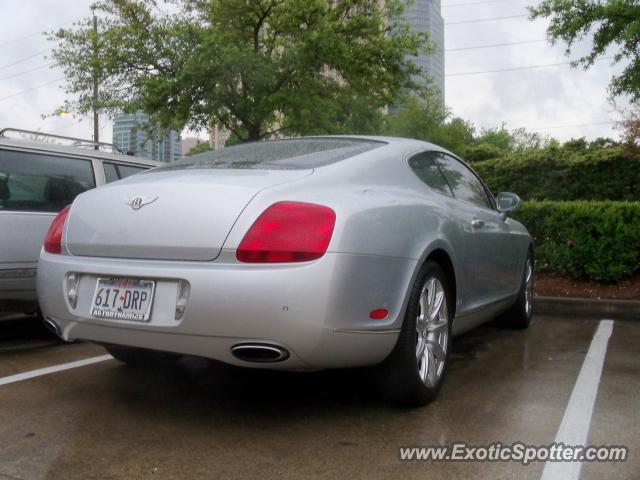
{"points": [[442, 258]]}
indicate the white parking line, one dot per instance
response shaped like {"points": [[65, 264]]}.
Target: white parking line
{"points": [[574, 428], [18, 377]]}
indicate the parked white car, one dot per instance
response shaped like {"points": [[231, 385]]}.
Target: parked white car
{"points": [[37, 180]]}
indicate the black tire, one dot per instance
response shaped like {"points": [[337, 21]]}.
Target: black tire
{"points": [[518, 317], [141, 357], [400, 375]]}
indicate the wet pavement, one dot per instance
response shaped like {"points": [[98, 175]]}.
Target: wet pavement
{"points": [[206, 420]]}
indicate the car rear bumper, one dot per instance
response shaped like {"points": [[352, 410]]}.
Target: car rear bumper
{"points": [[18, 289], [318, 311]]}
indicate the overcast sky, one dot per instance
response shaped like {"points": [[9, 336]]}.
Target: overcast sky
{"points": [[547, 100]]}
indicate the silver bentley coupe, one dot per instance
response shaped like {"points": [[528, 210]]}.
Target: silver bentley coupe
{"points": [[294, 254]]}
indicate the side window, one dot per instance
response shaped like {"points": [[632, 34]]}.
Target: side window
{"points": [[41, 182], [110, 172], [464, 183], [425, 166], [113, 171]]}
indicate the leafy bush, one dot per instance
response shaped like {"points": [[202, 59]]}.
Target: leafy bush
{"points": [[572, 172], [199, 148], [481, 151], [597, 240]]}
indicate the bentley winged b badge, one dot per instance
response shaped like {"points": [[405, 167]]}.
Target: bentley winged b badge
{"points": [[140, 201]]}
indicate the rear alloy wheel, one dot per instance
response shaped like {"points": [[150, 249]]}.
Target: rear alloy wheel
{"points": [[519, 315], [413, 373], [432, 333], [142, 357]]}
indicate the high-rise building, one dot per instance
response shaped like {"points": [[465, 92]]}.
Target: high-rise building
{"points": [[131, 134], [426, 16]]}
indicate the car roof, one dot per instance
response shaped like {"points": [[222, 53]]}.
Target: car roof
{"points": [[43, 147], [409, 143], [298, 152]]}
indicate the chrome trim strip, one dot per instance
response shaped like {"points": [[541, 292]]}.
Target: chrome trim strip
{"points": [[19, 273], [28, 212]]}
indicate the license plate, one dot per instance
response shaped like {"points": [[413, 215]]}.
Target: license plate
{"points": [[123, 299]]}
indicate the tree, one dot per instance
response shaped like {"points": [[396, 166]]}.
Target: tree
{"points": [[499, 138], [612, 22], [629, 125], [456, 134], [90, 79], [511, 141], [417, 117], [427, 118], [255, 67], [200, 148], [478, 152]]}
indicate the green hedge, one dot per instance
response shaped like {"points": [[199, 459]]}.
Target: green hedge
{"points": [[562, 173], [585, 239]]}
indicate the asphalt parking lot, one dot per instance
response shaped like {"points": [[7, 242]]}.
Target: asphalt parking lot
{"points": [[105, 420]]}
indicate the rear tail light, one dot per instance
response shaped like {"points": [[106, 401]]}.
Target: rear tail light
{"points": [[53, 240], [288, 232]]}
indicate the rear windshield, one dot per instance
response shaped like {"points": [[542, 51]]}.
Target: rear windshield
{"points": [[293, 154]]}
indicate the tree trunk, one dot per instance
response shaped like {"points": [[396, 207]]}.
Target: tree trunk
{"points": [[94, 73], [253, 133]]}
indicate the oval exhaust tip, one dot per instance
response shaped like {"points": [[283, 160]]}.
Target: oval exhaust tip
{"points": [[52, 326], [259, 352]]}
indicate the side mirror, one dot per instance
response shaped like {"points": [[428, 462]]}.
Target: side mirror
{"points": [[507, 202]]}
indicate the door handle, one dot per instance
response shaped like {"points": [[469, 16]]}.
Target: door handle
{"points": [[477, 223]]}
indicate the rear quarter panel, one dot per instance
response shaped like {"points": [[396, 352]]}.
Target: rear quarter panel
{"points": [[382, 210]]}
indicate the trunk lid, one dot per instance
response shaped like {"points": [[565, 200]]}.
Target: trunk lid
{"points": [[167, 215]]}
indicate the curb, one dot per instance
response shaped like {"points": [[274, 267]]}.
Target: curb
{"points": [[587, 307]]}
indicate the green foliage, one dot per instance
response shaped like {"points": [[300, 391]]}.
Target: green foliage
{"points": [[613, 23], [482, 151], [499, 138], [596, 240], [83, 59], [454, 135], [498, 142], [427, 118], [416, 117], [256, 67], [199, 148], [511, 141], [576, 171]]}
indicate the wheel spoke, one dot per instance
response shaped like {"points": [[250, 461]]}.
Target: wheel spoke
{"points": [[437, 305], [437, 327], [528, 287], [423, 367], [422, 344], [424, 306], [437, 350], [431, 295], [431, 368]]}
